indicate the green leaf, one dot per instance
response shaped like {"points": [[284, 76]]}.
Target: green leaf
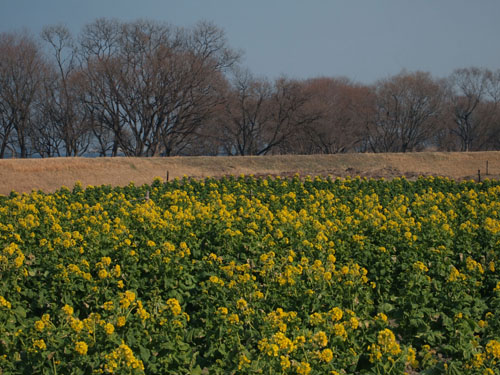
{"points": [[455, 368], [20, 312], [196, 371], [386, 307], [145, 353]]}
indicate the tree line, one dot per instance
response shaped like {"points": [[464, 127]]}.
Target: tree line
{"points": [[145, 88]]}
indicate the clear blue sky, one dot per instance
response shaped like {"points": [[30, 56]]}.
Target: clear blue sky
{"points": [[364, 40]]}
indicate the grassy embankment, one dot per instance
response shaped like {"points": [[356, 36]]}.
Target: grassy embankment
{"points": [[50, 174]]}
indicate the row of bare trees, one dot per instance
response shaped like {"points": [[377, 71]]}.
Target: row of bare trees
{"points": [[150, 89], [406, 112], [139, 88]]}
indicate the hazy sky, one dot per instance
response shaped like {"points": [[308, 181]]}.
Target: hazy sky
{"points": [[364, 40]]}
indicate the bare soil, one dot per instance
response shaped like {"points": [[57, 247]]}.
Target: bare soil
{"points": [[48, 175]]}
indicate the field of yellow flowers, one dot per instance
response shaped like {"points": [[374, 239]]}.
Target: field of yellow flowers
{"points": [[247, 275]]}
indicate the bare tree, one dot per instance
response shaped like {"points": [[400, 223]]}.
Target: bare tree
{"points": [[22, 70], [246, 115], [473, 105], [493, 110], [470, 86], [61, 107], [98, 50], [259, 116], [196, 75], [151, 84], [408, 109], [340, 107], [290, 113]]}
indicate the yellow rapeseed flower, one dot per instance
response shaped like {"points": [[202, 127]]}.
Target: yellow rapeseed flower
{"points": [[243, 362], [68, 310], [76, 324], [320, 339], [419, 266], [130, 295], [381, 316], [222, 310], [120, 322], [284, 362], [336, 314], [81, 347], [109, 328], [5, 303], [326, 355], [39, 325], [102, 273], [340, 331], [174, 306], [303, 368], [241, 304], [316, 318], [18, 262], [493, 349], [233, 318], [39, 344], [108, 305]]}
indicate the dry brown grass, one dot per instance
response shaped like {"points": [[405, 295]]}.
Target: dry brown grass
{"points": [[50, 174]]}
